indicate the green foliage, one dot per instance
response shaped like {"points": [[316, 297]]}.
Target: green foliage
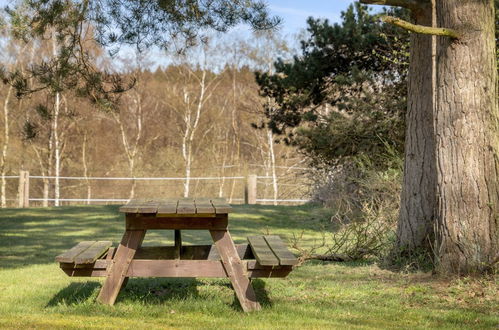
{"points": [[59, 28], [344, 95]]}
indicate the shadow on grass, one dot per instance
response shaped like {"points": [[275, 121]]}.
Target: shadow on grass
{"points": [[261, 292], [74, 294], [36, 235], [149, 291], [154, 291]]}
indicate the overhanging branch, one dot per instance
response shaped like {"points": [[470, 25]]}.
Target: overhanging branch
{"points": [[409, 4], [420, 28]]}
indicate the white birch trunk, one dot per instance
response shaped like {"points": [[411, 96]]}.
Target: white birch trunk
{"points": [[5, 146], [191, 124], [272, 164], [55, 135], [85, 167], [131, 150], [57, 149]]}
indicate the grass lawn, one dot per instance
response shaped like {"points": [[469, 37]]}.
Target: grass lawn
{"points": [[35, 293]]}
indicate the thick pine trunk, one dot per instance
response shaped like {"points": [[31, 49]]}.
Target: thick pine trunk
{"points": [[418, 201], [467, 137]]}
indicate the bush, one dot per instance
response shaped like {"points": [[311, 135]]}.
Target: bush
{"points": [[365, 201]]}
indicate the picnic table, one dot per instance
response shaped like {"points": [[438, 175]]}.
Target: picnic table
{"points": [[263, 256]]}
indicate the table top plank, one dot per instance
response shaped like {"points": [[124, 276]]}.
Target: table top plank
{"points": [[186, 206], [204, 206], [148, 207], [221, 206], [167, 207], [131, 206], [171, 207]]}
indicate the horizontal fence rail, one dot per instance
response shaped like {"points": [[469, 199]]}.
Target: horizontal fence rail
{"points": [[137, 179]]}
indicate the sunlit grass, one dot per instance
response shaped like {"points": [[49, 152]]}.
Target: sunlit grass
{"points": [[35, 293]]}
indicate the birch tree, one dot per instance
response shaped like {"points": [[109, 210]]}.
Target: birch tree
{"points": [[131, 134]]}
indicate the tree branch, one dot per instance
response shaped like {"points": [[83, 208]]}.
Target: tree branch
{"points": [[421, 29], [409, 4]]}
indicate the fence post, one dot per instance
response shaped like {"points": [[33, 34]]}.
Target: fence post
{"points": [[250, 189], [23, 189]]}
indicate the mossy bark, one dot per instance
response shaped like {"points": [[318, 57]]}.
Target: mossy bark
{"points": [[418, 200]]}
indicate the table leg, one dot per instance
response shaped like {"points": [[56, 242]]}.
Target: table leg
{"points": [[234, 268], [116, 276], [178, 243]]}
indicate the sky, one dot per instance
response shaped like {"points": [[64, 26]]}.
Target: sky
{"points": [[295, 12]]}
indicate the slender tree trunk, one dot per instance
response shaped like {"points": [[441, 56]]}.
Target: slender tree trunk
{"points": [[85, 167], [55, 131], [467, 137], [131, 166], [192, 123], [57, 149], [132, 149], [6, 137], [50, 167], [418, 199], [272, 164]]}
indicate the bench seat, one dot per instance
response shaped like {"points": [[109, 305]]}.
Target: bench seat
{"points": [[270, 250], [264, 256], [86, 252]]}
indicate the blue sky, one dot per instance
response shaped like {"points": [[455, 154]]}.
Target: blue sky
{"points": [[295, 12]]}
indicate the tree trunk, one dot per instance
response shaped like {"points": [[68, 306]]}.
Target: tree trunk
{"points": [[270, 139], [467, 137], [6, 138], [85, 167], [418, 200], [57, 149]]}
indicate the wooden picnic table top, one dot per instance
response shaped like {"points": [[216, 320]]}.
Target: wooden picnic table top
{"points": [[170, 207]]}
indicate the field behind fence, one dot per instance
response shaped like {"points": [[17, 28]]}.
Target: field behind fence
{"points": [[290, 186]]}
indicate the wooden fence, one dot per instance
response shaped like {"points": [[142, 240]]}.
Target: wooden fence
{"points": [[250, 189]]}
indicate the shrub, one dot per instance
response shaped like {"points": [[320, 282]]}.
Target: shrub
{"points": [[365, 201]]}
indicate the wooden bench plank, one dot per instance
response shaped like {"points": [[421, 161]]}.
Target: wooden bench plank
{"points": [[221, 206], [204, 206], [262, 251], [186, 206], [71, 254], [93, 252], [286, 258]]}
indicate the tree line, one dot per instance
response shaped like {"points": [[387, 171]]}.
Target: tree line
{"points": [[192, 118]]}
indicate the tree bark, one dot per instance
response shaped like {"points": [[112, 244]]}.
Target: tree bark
{"points": [[272, 163], [6, 138], [418, 199], [467, 138], [85, 167]]}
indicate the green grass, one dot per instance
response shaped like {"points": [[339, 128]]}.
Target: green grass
{"points": [[35, 293]]}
